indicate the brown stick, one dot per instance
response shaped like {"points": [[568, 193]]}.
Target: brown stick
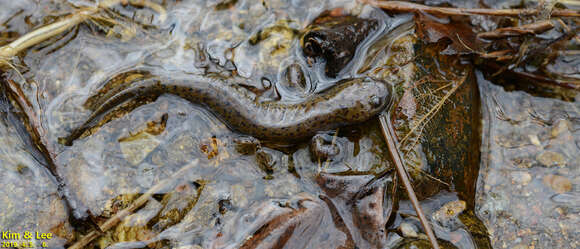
{"points": [[501, 55], [389, 134], [399, 6], [528, 29], [31, 119]]}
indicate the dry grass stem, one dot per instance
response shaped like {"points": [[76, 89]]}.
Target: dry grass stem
{"points": [[399, 6], [41, 34], [532, 28]]}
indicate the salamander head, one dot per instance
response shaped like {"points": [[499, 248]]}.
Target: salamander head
{"points": [[373, 96]]}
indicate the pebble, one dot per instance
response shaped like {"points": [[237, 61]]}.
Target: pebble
{"points": [[257, 9], [521, 178], [239, 195], [137, 148], [535, 140], [449, 211], [551, 159], [560, 127], [408, 230], [560, 184], [523, 163]]}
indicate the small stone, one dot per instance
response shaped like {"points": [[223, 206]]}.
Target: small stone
{"points": [[449, 211], [520, 246], [137, 148], [551, 159], [559, 184], [535, 140], [257, 9], [523, 163], [560, 127], [521, 178], [239, 195], [408, 230]]}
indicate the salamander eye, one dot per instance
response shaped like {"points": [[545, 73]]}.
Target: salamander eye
{"points": [[375, 101]]}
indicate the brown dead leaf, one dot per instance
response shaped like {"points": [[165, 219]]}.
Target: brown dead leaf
{"points": [[458, 33], [408, 104]]}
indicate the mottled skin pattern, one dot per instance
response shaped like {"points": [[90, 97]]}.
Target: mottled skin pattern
{"points": [[349, 102]]}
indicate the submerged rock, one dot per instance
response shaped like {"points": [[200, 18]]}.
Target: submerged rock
{"points": [[560, 184], [137, 148], [335, 39], [550, 159]]}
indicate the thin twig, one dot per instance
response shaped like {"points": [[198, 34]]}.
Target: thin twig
{"points": [[501, 55], [31, 118], [528, 29], [389, 134], [138, 203], [428, 175], [399, 6]]}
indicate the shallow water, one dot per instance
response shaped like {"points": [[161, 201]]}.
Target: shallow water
{"points": [[528, 183], [228, 198]]}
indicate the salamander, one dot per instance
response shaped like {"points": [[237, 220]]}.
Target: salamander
{"points": [[349, 102]]}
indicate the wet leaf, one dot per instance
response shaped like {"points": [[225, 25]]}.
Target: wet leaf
{"points": [[457, 34]]}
